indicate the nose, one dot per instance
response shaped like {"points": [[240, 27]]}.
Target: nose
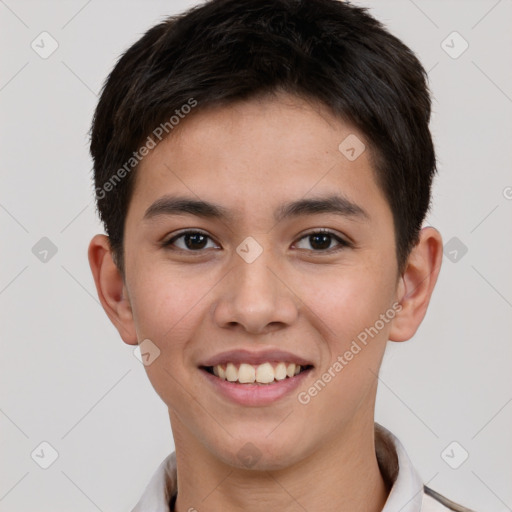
{"points": [[255, 297]]}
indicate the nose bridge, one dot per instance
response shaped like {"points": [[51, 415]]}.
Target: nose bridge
{"points": [[254, 296], [254, 277]]}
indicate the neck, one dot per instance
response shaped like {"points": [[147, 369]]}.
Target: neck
{"points": [[342, 476]]}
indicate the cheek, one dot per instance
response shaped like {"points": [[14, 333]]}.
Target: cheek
{"points": [[349, 300], [349, 308], [163, 304], [165, 310]]}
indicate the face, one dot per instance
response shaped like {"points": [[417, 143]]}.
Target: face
{"points": [[250, 280]]}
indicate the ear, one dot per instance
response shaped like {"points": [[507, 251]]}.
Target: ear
{"points": [[111, 288], [417, 284]]}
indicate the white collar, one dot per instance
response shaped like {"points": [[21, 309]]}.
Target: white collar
{"points": [[407, 490], [406, 493]]}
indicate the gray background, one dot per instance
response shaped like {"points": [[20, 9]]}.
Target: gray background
{"points": [[68, 379]]}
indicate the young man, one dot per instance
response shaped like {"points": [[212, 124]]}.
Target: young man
{"points": [[263, 169]]}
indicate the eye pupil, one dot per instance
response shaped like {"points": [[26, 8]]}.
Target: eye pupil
{"points": [[195, 241], [194, 237], [323, 237]]}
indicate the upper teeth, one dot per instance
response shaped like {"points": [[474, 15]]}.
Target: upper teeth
{"points": [[263, 373]]}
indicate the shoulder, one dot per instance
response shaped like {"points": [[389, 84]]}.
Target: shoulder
{"points": [[435, 502]]}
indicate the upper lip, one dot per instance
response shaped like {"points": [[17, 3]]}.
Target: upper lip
{"points": [[252, 357]]}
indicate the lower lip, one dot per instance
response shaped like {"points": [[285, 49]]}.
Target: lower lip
{"points": [[256, 394]]}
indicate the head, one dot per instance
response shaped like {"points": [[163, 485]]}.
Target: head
{"points": [[239, 109]]}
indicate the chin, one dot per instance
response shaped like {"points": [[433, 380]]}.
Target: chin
{"points": [[259, 453], [261, 462]]}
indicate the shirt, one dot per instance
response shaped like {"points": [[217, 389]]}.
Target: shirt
{"points": [[407, 494]]}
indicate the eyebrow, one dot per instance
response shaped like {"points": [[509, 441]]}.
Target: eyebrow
{"points": [[178, 205]]}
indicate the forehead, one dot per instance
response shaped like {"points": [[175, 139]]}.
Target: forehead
{"points": [[258, 153]]}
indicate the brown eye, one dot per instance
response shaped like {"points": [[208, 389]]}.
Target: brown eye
{"points": [[191, 241], [320, 241]]}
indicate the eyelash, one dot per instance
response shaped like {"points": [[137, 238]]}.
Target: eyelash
{"points": [[342, 242]]}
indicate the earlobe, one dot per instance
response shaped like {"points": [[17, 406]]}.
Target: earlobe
{"points": [[417, 283], [111, 288]]}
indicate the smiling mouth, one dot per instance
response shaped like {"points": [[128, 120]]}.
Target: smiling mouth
{"points": [[265, 373]]}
